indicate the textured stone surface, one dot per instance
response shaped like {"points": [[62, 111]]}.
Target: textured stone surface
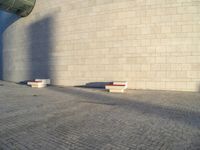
{"points": [[74, 118], [152, 44]]}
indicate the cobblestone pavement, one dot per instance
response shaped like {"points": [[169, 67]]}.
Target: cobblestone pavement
{"points": [[57, 118]]}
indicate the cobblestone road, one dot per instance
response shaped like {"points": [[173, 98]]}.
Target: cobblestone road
{"points": [[57, 118]]}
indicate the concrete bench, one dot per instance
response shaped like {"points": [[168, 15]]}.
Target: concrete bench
{"points": [[39, 83], [45, 81], [117, 87]]}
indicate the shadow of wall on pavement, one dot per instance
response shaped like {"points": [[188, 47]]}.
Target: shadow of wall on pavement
{"points": [[40, 48], [187, 117], [6, 19]]}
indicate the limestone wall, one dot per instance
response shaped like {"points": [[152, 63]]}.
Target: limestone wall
{"points": [[152, 44]]}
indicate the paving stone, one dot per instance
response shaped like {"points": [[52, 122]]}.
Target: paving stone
{"points": [[91, 119]]}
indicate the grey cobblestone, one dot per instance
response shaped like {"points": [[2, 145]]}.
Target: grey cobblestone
{"points": [[57, 118]]}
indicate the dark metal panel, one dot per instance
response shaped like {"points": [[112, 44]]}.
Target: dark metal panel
{"points": [[19, 7]]}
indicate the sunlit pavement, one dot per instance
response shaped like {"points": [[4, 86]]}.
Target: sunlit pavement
{"points": [[72, 118]]}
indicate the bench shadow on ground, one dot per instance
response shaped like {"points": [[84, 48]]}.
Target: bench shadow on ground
{"points": [[97, 85], [183, 116]]}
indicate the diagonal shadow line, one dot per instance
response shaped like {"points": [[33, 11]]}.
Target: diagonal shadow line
{"points": [[188, 117]]}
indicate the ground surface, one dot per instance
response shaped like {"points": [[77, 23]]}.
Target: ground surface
{"points": [[57, 118]]}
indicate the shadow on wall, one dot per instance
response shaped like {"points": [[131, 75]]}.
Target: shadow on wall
{"points": [[40, 48], [6, 19]]}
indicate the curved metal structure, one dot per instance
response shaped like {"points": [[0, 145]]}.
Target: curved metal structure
{"points": [[19, 7]]}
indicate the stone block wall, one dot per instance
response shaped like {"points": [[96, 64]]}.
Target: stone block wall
{"points": [[152, 44]]}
